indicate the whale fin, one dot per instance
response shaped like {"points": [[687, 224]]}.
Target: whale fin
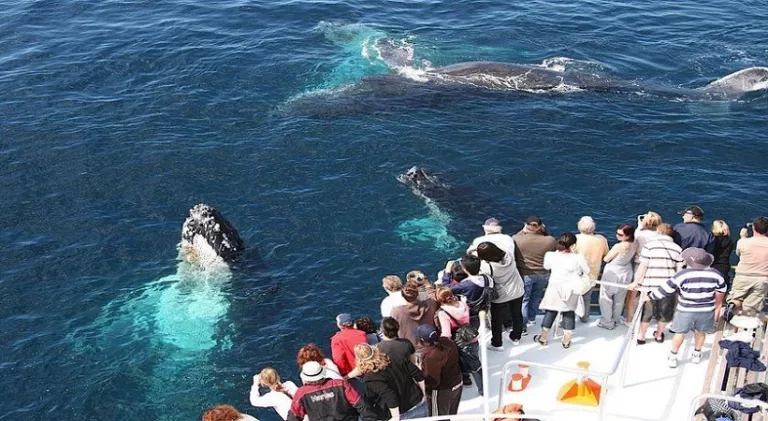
{"points": [[746, 80]]}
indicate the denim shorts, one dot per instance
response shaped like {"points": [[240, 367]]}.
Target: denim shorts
{"points": [[685, 321]]}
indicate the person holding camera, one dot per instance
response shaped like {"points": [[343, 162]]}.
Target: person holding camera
{"points": [[749, 284]]}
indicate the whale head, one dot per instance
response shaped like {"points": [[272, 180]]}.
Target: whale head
{"points": [[417, 177], [206, 231]]}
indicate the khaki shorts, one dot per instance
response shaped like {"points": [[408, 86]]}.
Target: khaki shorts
{"points": [[750, 290]]}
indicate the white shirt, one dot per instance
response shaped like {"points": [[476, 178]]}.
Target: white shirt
{"points": [[395, 299], [272, 399], [331, 370], [502, 241]]}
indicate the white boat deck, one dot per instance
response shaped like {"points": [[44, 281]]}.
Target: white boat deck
{"points": [[651, 391]]}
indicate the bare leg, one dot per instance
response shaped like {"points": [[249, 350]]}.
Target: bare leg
{"points": [[643, 331], [630, 304], [677, 341], [699, 338]]}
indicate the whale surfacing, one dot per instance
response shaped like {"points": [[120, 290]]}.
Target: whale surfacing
{"points": [[206, 223]]}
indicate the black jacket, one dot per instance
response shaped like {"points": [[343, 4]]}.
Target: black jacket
{"points": [[722, 254], [395, 386]]}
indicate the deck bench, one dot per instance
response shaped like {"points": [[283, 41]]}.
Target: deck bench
{"points": [[724, 380]]}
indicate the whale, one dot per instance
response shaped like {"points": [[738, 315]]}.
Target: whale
{"points": [[408, 84], [456, 212], [176, 324]]}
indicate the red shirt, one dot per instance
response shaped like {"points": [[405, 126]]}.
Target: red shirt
{"points": [[343, 348]]}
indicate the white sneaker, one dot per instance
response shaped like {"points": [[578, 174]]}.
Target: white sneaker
{"points": [[495, 348], [514, 343], [696, 357], [672, 360], [531, 322]]}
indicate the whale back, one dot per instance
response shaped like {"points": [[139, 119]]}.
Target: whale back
{"points": [[746, 80], [504, 76], [208, 223]]}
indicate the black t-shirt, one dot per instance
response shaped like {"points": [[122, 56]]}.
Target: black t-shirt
{"points": [[397, 350], [395, 386]]}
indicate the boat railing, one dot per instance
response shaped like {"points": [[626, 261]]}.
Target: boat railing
{"points": [[619, 362], [699, 400]]}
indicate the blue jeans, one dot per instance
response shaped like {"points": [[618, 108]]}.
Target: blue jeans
{"points": [[418, 411], [534, 292]]}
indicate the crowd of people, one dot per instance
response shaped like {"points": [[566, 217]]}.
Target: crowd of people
{"points": [[417, 361]]}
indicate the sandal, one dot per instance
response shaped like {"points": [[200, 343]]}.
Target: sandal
{"points": [[537, 338], [656, 338], [566, 345], [641, 341]]}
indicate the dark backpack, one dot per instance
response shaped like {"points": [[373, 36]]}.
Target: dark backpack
{"points": [[484, 301]]}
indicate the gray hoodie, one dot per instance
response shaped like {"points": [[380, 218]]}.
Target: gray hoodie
{"points": [[508, 284]]}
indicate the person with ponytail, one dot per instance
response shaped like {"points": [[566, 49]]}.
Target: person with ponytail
{"points": [[280, 395], [394, 389], [442, 373]]}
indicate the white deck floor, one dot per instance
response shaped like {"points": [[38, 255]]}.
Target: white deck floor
{"points": [[652, 390]]}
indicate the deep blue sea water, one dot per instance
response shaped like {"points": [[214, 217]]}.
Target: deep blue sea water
{"points": [[117, 116]]}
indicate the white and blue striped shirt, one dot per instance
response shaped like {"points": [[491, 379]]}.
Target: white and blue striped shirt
{"points": [[697, 289]]}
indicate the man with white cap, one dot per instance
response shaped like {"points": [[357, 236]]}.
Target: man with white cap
{"points": [[322, 398], [701, 290], [492, 230]]}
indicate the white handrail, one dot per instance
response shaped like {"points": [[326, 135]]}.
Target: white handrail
{"points": [[484, 361]]}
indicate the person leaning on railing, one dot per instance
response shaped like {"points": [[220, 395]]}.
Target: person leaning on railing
{"points": [[750, 284], [618, 270]]}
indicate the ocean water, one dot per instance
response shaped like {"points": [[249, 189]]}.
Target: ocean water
{"points": [[117, 117]]}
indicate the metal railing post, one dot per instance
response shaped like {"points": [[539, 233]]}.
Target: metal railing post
{"points": [[484, 362]]}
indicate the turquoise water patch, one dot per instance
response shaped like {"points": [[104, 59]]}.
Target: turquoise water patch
{"points": [[182, 314], [358, 56], [427, 231]]}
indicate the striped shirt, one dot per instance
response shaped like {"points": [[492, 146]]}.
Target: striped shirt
{"points": [[697, 289], [662, 255]]}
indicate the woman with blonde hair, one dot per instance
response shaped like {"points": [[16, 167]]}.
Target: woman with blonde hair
{"points": [[723, 249], [647, 224], [225, 413], [280, 394], [392, 284], [311, 352], [395, 390]]}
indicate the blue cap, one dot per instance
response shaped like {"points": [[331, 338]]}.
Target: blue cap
{"points": [[345, 319], [426, 333]]}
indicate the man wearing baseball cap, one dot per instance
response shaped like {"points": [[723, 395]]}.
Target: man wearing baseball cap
{"points": [[701, 291], [344, 341], [691, 232], [492, 231]]}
